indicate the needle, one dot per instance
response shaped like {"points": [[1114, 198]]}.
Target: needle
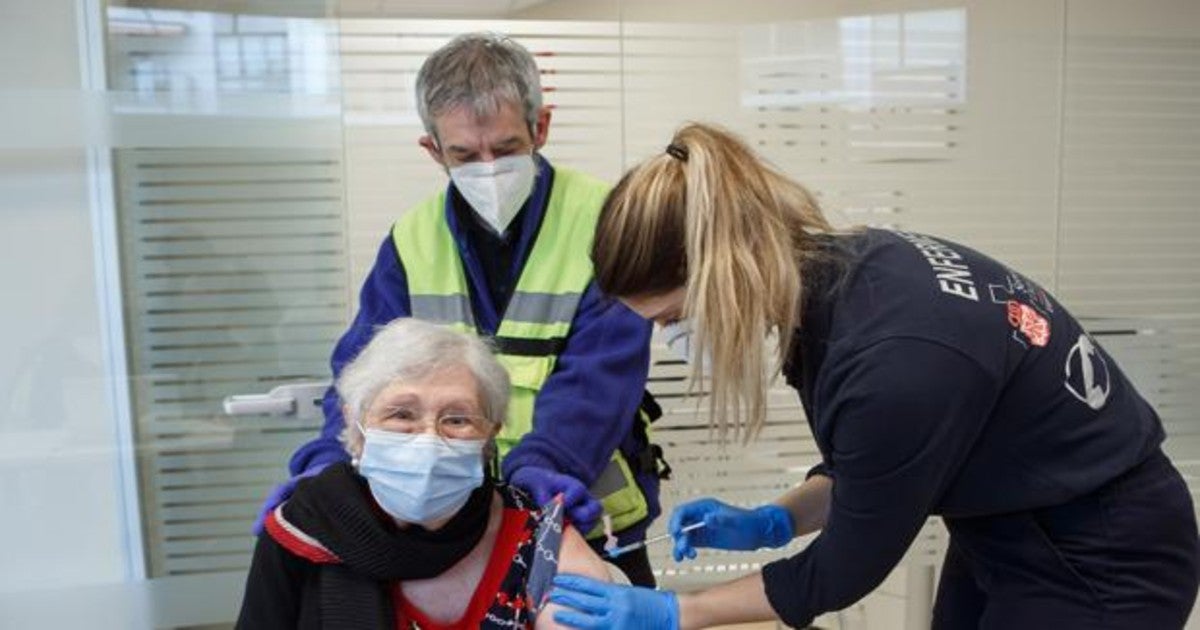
{"points": [[616, 551]]}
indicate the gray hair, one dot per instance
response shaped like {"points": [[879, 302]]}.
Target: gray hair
{"points": [[410, 349], [481, 71]]}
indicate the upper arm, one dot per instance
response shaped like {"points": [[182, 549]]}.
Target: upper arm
{"points": [[575, 556], [908, 412], [902, 418], [588, 403], [605, 359]]}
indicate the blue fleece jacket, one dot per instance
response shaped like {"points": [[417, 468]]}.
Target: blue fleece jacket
{"points": [[587, 406]]}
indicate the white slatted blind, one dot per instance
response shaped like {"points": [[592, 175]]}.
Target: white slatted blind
{"points": [[876, 115], [1059, 137], [745, 475], [235, 281], [231, 209], [387, 172], [676, 72], [1131, 204]]}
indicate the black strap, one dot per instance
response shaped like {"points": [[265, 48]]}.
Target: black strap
{"points": [[523, 347], [650, 406], [649, 458]]}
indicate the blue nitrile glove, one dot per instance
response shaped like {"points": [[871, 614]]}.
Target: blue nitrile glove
{"points": [[728, 527], [543, 484], [593, 604], [281, 493]]}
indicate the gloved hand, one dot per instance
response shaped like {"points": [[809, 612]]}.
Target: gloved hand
{"points": [[543, 484], [593, 604], [728, 527], [280, 493]]}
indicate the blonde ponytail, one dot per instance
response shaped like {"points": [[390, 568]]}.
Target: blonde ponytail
{"points": [[711, 215]]}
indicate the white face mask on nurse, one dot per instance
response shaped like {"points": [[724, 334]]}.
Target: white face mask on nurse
{"points": [[667, 310]]}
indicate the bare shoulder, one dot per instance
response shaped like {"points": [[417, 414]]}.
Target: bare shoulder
{"points": [[575, 556]]}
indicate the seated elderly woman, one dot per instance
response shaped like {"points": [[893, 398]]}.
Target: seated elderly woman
{"points": [[413, 533]]}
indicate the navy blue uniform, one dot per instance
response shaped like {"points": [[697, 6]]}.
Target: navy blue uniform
{"points": [[938, 381]]}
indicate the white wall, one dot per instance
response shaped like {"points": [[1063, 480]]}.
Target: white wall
{"points": [[59, 479]]}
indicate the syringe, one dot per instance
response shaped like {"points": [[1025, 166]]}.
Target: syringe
{"points": [[616, 551]]}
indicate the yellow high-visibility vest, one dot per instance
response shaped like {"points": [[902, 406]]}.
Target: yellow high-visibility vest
{"points": [[538, 317]]}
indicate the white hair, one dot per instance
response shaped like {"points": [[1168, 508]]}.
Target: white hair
{"points": [[408, 349]]}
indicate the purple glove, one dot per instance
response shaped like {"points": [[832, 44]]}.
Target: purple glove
{"points": [[280, 494], [542, 484]]}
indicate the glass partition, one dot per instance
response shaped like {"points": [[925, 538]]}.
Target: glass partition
{"points": [[195, 189]]}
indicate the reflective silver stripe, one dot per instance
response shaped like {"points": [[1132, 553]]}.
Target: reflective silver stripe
{"points": [[443, 309], [610, 481], [542, 308]]}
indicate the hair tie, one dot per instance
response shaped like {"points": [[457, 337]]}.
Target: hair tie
{"points": [[677, 151]]}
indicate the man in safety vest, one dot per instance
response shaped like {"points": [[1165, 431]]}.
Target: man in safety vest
{"points": [[503, 252]]}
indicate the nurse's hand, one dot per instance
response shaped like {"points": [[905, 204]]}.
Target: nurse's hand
{"points": [[591, 604], [728, 527]]}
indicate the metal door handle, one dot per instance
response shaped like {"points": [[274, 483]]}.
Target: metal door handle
{"points": [[302, 400]]}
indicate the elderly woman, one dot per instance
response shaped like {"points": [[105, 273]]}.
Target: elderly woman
{"points": [[414, 533]]}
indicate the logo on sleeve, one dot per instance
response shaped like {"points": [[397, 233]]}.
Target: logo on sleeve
{"points": [[1026, 306], [1029, 323], [1087, 373]]}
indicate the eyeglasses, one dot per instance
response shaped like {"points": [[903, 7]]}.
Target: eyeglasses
{"points": [[450, 425]]}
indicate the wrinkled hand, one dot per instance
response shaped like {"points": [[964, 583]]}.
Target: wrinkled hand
{"points": [[592, 604], [728, 527], [542, 484], [280, 493]]}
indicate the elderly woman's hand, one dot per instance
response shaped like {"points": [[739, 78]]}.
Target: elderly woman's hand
{"points": [[582, 509]]}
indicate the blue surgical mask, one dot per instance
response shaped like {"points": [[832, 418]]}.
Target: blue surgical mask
{"points": [[418, 477]]}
